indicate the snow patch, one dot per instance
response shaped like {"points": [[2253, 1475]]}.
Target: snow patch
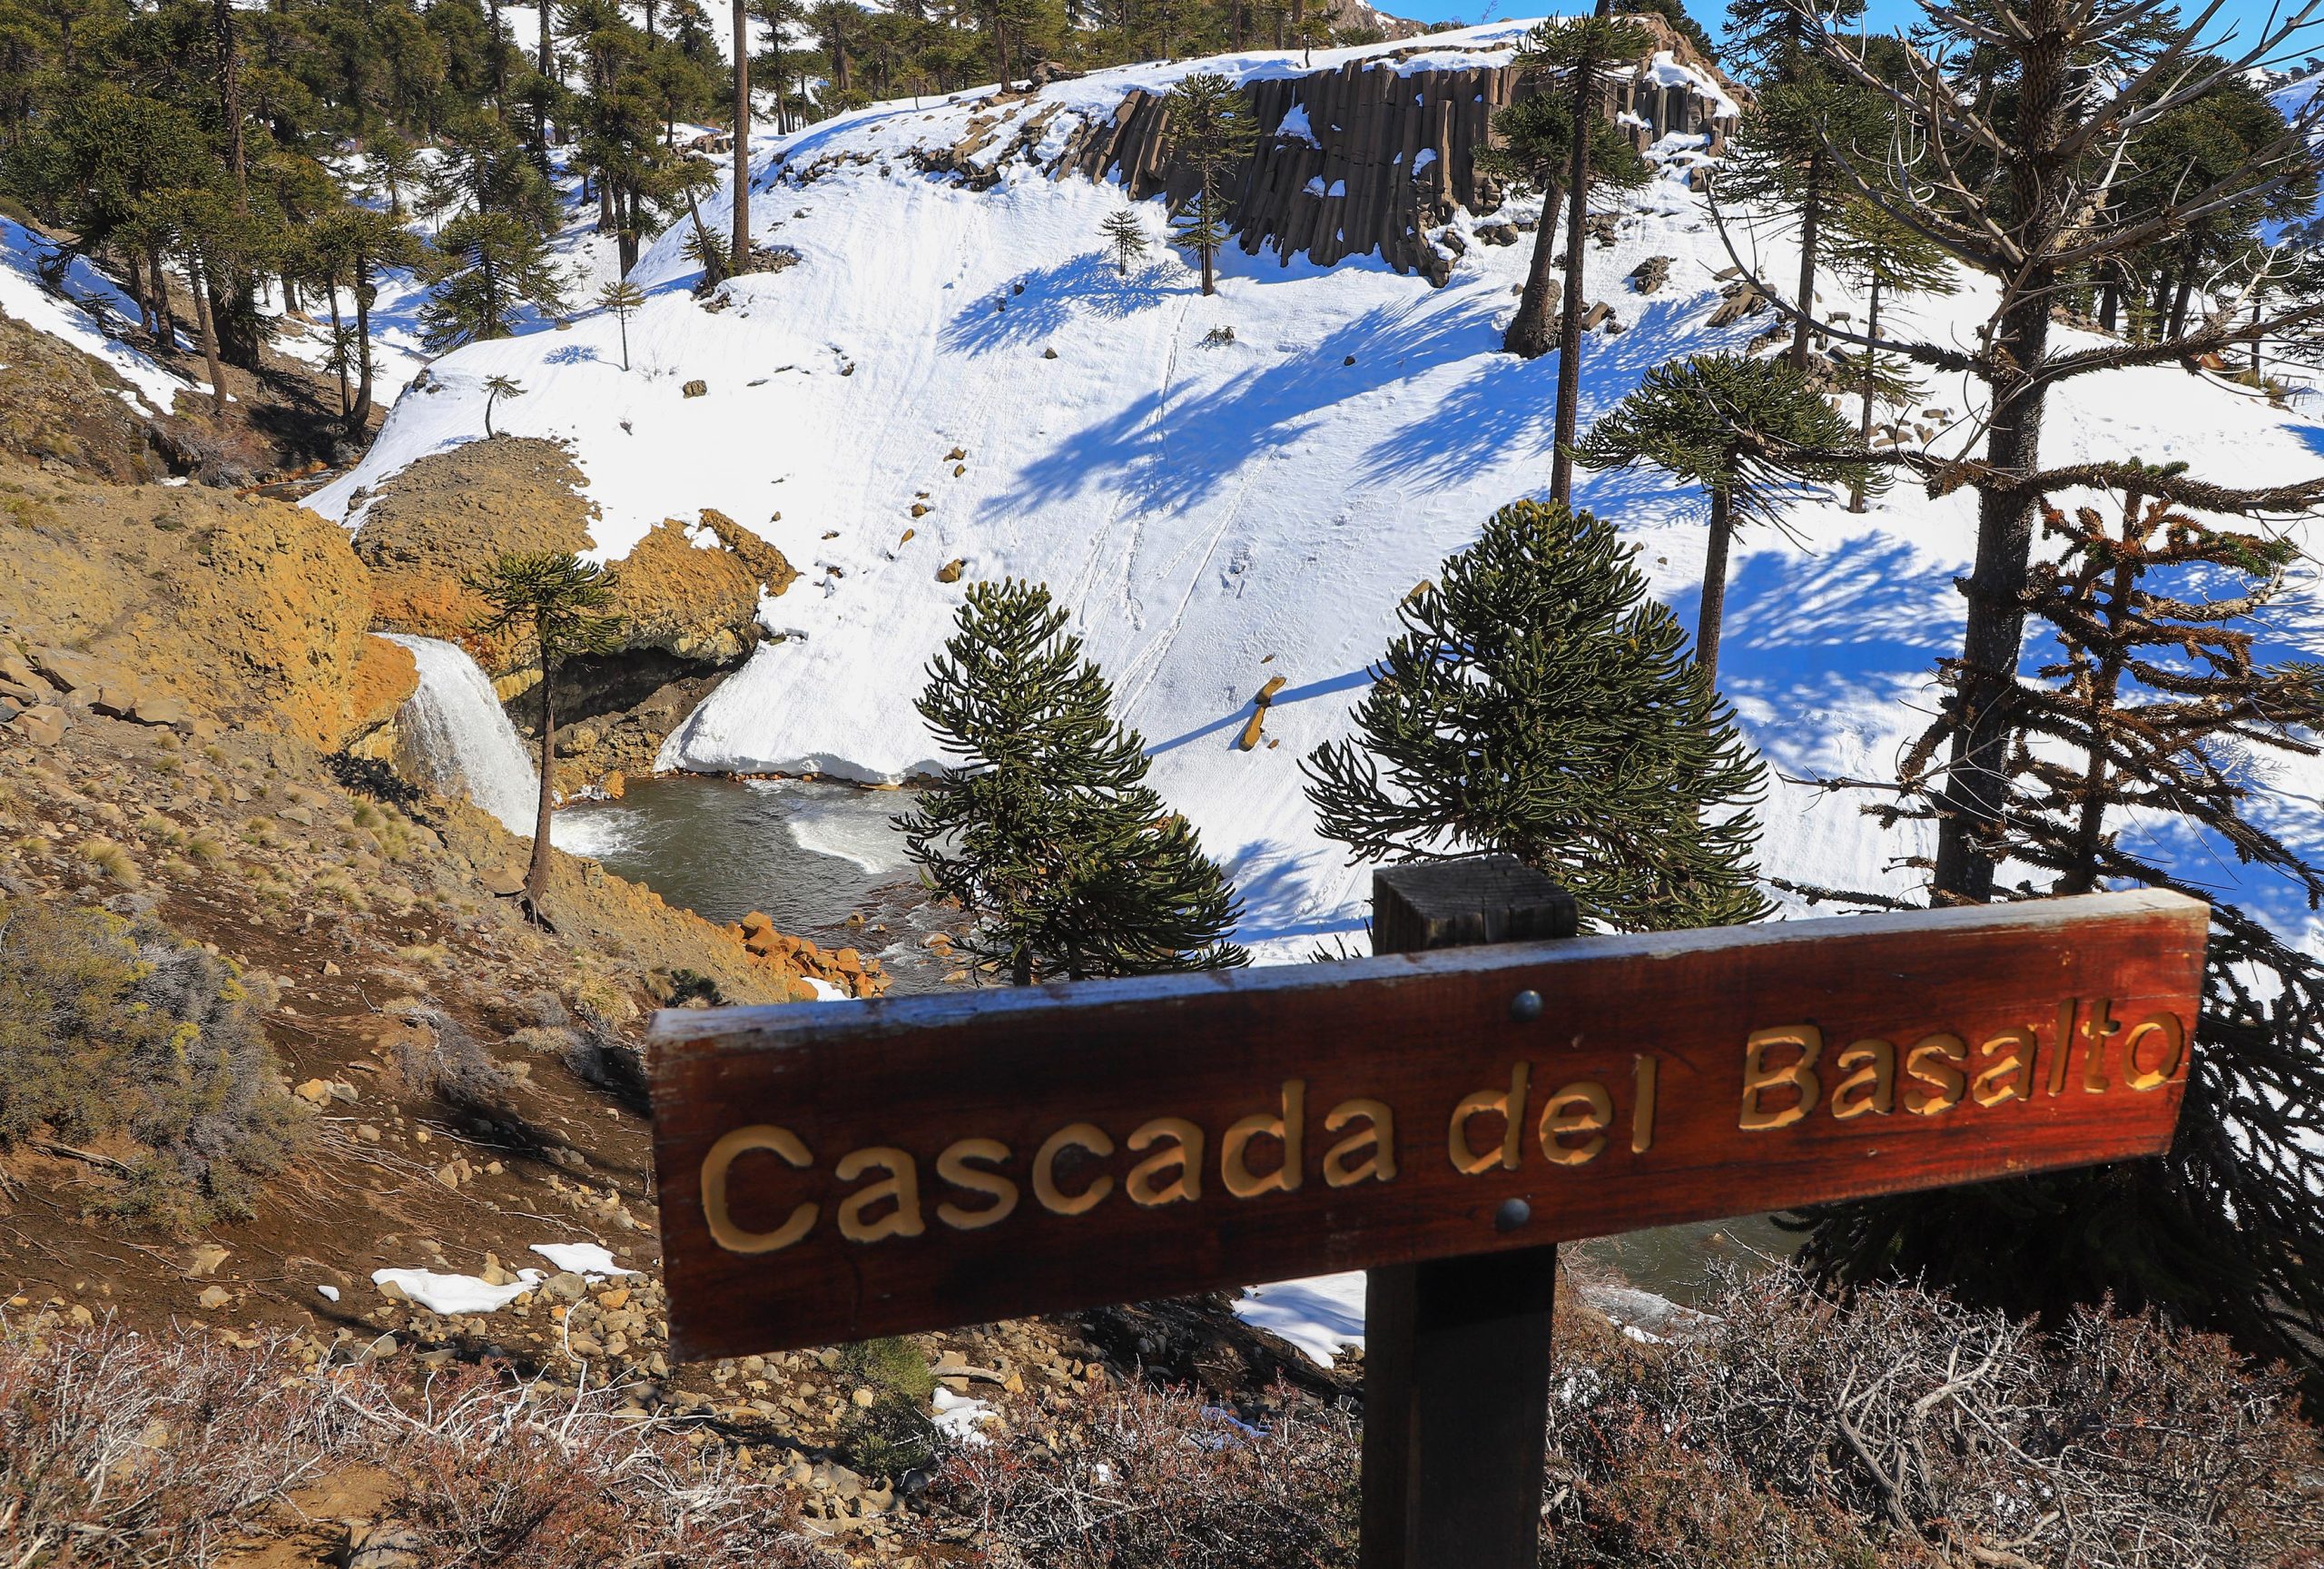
{"points": [[450, 1294], [1318, 1315], [581, 1259]]}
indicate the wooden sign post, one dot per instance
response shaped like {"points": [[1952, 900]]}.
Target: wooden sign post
{"points": [[832, 1172]]}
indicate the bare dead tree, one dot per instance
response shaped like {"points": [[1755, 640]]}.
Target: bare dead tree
{"points": [[2015, 123]]}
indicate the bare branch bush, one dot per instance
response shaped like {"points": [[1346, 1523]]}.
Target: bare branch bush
{"points": [[1135, 1476], [1901, 1428], [122, 1449]]}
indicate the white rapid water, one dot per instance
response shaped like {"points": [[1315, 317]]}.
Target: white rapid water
{"points": [[454, 726]]}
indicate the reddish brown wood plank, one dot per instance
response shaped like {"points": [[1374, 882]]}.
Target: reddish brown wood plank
{"points": [[852, 1101]]}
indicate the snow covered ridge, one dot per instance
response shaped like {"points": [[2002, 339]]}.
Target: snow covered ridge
{"points": [[1218, 511]]}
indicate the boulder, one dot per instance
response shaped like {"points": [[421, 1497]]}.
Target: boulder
{"points": [[697, 387], [950, 571]]}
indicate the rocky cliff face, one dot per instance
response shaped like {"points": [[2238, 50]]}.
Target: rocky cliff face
{"points": [[687, 595], [181, 605], [1368, 158]]}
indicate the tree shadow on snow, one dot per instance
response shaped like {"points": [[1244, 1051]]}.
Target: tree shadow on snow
{"points": [[1280, 894], [1509, 405], [1088, 285], [1200, 439]]}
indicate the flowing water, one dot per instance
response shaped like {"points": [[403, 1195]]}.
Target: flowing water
{"points": [[455, 731]]}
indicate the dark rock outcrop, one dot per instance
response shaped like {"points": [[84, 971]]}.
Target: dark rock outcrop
{"points": [[1386, 153]]}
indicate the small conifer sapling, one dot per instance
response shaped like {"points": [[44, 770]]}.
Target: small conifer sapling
{"points": [[1125, 237], [561, 604], [1045, 830]]}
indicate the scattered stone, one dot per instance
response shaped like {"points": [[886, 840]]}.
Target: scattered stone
{"points": [[1048, 353], [314, 1091], [950, 571], [213, 1297], [1497, 234], [697, 388], [42, 726], [1650, 274], [956, 455]]}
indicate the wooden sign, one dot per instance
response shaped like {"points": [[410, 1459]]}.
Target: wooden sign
{"points": [[831, 1172]]}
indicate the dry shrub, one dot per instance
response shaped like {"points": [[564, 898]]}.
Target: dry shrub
{"points": [[1137, 1478], [1901, 1428], [447, 1063], [119, 1449], [111, 1026], [521, 1477]]}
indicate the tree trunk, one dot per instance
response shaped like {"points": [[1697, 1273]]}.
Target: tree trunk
{"points": [[337, 329], [1809, 212], [2185, 293], [1714, 601], [137, 293], [2109, 303], [1020, 968], [740, 257], [235, 321], [2090, 823], [207, 322], [1969, 823], [1577, 214], [536, 870], [230, 98], [2255, 337], [1529, 331], [1871, 377], [362, 412], [1969, 828], [164, 317]]}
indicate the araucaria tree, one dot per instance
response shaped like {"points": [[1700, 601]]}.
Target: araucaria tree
{"points": [[559, 603], [1791, 158], [2046, 144], [1125, 237], [487, 268], [495, 388], [622, 300], [1045, 830], [1731, 424], [1208, 124], [1532, 149], [1874, 250], [2015, 123], [1540, 702], [1581, 52]]}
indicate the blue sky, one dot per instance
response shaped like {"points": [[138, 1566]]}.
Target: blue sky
{"points": [[1884, 14]]}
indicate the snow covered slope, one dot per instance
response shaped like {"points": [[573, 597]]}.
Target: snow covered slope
{"points": [[92, 301], [1225, 490]]}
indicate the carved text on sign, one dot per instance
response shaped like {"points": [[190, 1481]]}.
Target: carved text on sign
{"points": [[1789, 1074]]}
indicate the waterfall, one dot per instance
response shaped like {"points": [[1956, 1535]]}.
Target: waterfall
{"points": [[454, 729]]}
